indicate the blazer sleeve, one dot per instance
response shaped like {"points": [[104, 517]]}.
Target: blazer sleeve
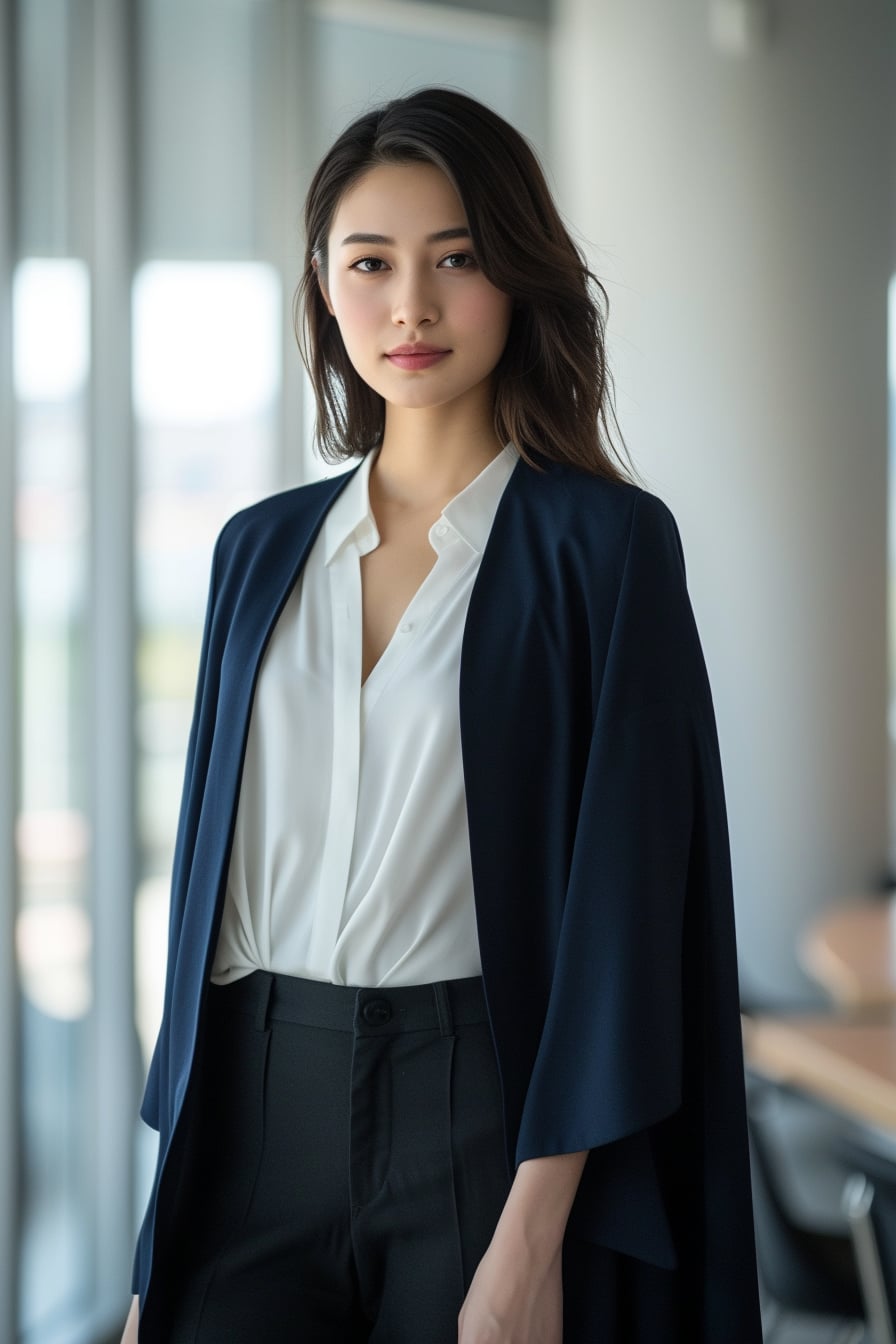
{"points": [[197, 750], [611, 1064]]}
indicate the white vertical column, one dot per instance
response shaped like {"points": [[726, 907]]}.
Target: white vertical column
{"points": [[295, 173], [283, 145], [10, 1080], [737, 204], [115, 1069]]}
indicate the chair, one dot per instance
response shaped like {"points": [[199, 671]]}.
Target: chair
{"points": [[869, 1203], [801, 1269]]}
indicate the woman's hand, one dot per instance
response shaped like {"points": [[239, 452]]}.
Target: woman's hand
{"points": [[516, 1296], [130, 1325]]}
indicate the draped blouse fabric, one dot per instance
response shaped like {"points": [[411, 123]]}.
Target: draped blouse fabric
{"points": [[351, 854]]}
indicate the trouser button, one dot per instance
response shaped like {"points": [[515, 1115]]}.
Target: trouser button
{"points": [[377, 1012]]}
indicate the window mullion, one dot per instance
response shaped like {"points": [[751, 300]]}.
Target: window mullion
{"points": [[10, 1077], [285, 151], [112, 641]]}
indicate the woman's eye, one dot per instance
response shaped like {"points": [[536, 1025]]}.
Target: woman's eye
{"points": [[368, 265], [458, 261]]}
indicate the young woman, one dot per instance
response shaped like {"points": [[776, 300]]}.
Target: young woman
{"points": [[450, 1049]]}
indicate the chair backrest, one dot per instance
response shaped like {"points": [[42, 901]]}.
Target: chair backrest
{"points": [[802, 1270]]}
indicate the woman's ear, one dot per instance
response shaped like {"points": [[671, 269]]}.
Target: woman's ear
{"points": [[322, 285]]}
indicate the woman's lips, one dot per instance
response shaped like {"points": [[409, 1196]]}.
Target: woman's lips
{"points": [[422, 359]]}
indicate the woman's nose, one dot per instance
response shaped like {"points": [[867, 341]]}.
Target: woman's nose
{"points": [[414, 303]]}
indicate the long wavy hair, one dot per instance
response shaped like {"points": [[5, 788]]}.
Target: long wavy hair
{"points": [[553, 391]]}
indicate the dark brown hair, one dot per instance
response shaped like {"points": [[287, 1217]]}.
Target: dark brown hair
{"points": [[552, 386]]}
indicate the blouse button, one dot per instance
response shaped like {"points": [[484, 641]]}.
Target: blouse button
{"points": [[405, 627], [441, 529]]}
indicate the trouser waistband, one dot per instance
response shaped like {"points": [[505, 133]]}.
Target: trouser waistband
{"points": [[271, 997]]}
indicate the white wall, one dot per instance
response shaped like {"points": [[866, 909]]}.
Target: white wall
{"points": [[739, 211]]}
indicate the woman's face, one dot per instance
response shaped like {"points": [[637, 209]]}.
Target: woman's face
{"points": [[421, 324]]}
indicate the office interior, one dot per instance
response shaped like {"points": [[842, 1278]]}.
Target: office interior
{"points": [[729, 168]]}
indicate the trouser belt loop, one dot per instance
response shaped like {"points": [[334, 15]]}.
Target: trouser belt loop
{"points": [[263, 1003], [443, 1008]]}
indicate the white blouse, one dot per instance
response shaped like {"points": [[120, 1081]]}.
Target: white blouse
{"points": [[351, 854]]}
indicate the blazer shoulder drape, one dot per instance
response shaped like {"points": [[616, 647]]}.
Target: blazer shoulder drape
{"points": [[602, 884]]}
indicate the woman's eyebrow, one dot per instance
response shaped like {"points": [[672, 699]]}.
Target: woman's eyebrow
{"points": [[443, 236]]}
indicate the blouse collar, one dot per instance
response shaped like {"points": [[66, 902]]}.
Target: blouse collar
{"points": [[468, 515]]}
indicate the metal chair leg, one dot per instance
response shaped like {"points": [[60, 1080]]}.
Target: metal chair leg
{"points": [[858, 1196]]}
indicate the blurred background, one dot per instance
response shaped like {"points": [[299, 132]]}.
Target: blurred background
{"points": [[729, 167]]}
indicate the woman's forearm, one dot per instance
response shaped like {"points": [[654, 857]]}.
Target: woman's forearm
{"points": [[540, 1198]]}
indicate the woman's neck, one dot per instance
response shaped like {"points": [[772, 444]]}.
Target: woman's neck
{"points": [[429, 455]]}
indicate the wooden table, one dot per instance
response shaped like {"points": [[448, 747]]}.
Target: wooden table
{"points": [[848, 1063], [851, 952]]}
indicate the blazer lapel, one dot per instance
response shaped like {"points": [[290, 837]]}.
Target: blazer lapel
{"points": [[252, 593]]}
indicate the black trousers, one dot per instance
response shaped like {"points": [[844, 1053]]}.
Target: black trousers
{"points": [[348, 1165]]}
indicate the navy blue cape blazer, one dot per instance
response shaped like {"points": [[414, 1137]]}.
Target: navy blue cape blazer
{"points": [[602, 885]]}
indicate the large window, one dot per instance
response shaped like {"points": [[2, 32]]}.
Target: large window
{"points": [[206, 393], [53, 927], [161, 152]]}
